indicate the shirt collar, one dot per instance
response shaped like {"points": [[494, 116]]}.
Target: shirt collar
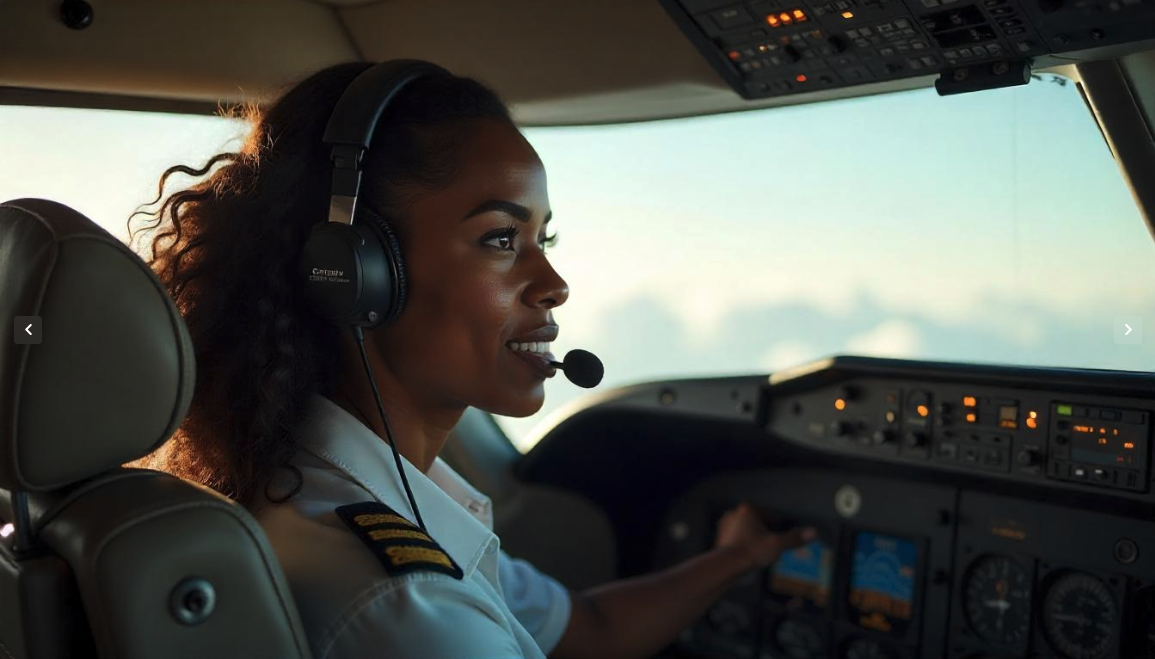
{"points": [[456, 515]]}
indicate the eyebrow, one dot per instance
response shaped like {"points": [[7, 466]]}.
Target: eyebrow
{"points": [[516, 211]]}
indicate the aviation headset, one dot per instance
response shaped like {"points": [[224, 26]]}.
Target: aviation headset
{"points": [[353, 272]]}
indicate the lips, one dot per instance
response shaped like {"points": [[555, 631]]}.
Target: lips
{"points": [[544, 334], [539, 363]]}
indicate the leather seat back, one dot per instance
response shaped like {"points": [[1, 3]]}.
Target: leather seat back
{"points": [[96, 558]]}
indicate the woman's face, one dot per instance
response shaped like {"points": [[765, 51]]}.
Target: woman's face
{"points": [[474, 284]]}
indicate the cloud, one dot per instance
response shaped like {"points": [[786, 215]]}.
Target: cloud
{"points": [[891, 338]]}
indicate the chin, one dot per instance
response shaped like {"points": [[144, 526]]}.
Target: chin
{"points": [[519, 406]]}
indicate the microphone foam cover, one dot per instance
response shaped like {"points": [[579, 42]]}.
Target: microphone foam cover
{"points": [[583, 368]]}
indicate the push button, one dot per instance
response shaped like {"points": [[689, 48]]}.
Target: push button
{"points": [[26, 330], [732, 17]]}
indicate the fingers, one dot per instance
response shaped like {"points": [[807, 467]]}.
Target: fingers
{"points": [[778, 543]]}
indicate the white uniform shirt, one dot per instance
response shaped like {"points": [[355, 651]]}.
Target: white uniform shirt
{"points": [[350, 605]]}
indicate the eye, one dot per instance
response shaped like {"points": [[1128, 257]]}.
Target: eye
{"points": [[503, 236], [547, 241]]}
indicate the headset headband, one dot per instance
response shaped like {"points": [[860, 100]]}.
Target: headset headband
{"points": [[351, 126]]}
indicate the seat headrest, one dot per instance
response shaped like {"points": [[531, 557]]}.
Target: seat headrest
{"points": [[114, 373]]}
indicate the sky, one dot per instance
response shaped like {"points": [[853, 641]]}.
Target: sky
{"points": [[988, 227]]}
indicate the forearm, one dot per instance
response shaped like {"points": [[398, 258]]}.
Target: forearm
{"points": [[635, 618]]}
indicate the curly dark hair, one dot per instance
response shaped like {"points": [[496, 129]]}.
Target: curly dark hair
{"points": [[227, 249]]}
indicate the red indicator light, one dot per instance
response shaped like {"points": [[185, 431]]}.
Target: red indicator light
{"points": [[801, 78]]}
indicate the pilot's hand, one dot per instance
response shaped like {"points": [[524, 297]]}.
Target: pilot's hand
{"points": [[741, 528]]}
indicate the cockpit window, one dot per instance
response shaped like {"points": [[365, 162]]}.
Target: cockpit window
{"points": [[989, 227]]}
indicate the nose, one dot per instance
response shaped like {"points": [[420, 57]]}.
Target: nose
{"points": [[548, 289]]}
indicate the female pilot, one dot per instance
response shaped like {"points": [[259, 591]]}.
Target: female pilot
{"points": [[284, 419]]}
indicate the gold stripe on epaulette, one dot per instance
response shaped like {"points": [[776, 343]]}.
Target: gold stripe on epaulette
{"points": [[374, 520], [387, 534], [402, 555]]}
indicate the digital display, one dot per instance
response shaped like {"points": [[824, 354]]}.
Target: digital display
{"points": [[804, 573], [882, 581], [1105, 444]]}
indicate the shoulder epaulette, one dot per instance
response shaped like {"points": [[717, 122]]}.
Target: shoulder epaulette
{"points": [[398, 543]]}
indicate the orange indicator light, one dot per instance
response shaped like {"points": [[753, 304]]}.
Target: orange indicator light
{"points": [[971, 417], [1084, 429], [773, 21], [1031, 423], [801, 78], [786, 18], [1116, 432], [1034, 415], [839, 404], [969, 401], [848, 14], [734, 55], [923, 410], [1128, 445], [1103, 431], [799, 15]]}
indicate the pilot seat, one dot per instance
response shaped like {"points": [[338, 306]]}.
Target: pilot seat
{"points": [[97, 559]]}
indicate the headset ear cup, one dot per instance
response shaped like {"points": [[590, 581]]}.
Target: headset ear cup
{"points": [[393, 255]]}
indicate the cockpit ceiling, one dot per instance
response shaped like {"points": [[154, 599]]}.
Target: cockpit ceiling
{"points": [[556, 62]]}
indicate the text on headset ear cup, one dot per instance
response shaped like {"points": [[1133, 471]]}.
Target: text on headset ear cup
{"points": [[348, 276]]}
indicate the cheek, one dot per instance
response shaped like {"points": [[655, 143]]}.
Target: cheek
{"points": [[459, 320]]}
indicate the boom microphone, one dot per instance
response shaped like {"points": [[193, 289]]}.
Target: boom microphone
{"points": [[582, 368]]}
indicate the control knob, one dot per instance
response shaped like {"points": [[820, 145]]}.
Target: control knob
{"points": [[1030, 456], [840, 428], [881, 437], [915, 439]]}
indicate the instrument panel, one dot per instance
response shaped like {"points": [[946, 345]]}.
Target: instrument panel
{"points": [[770, 48], [1058, 435], [1021, 526], [922, 571]]}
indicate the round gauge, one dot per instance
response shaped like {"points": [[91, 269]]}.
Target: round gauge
{"points": [[798, 640], [997, 600], [864, 648], [1079, 616]]}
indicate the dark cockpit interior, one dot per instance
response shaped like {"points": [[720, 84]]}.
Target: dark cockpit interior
{"points": [[965, 510]]}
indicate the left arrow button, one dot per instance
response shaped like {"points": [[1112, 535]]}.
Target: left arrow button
{"points": [[27, 330]]}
